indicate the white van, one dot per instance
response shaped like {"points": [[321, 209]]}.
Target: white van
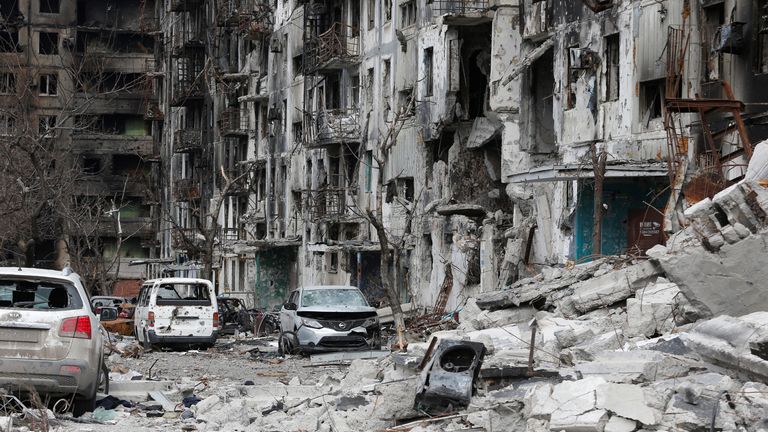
{"points": [[174, 311]]}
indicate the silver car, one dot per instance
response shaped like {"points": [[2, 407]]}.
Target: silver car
{"points": [[328, 318], [50, 340]]}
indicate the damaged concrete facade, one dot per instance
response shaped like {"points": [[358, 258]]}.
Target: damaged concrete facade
{"points": [[75, 76], [629, 77], [276, 112]]}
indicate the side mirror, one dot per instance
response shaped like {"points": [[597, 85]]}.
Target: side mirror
{"points": [[375, 303], [108, 314], [290, 306]]}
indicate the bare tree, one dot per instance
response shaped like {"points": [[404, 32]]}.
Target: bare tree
{"points": [[42, 179]]}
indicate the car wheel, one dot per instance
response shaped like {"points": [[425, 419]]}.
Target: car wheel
{"points": [[82, 405], [287, 344], [103, 387], [146, 343]]}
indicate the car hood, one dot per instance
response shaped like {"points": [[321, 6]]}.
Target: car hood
{"points": [[337, 309]]}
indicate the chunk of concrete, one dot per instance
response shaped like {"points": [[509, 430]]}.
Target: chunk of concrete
{"points": [[610, 288], [628, 401], [651, 310], [735, 343], [568, 398], [634, 366], [483, 131], [620, 424], [592, 421]]}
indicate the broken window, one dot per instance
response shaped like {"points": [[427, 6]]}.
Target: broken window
{"points": [[7, 83], [428, 71], [386, 80], [404, 101], [354, 15], [573, 79], [49, 6], [333, 91], [354, 90], [369, 87], [333, 262], [651, 99], [714, 17], [401, 187], [371, 14], [762, 38], [298, 132], [408, 13], [387, 10], [539, 115], [612, 67], [9, 41], [48, 43], [298, 65], [7, 124], [126, 164], [368, 170], [91, 165], [48, 85], [47, 124]]}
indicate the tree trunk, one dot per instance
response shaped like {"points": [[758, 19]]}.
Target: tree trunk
{"points": [[598, 166]]}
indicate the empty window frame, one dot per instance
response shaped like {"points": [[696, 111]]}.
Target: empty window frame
{"points": [[49, 6], [49, 85], [386, 79], [7, 124], [371, 14], [7, 83], [408, 13], [762, 37], [404, 102], [387, 10], [46, 124], [651, 99], [429, 61], [612, 67], [48, 43], [369, 87], [354, 91]]}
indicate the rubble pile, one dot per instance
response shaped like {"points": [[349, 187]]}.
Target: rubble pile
{"points": [[677, 341]]}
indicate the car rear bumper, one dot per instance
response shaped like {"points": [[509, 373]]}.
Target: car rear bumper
{"points": [[46, 376], [154, 338], [325, 339]]}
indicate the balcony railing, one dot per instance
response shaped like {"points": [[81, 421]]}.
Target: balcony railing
{"points": [[187, 140], [186, 90], [338, 125], [184, 238], [187, 190], [326, 203], [233, 234], [234, 121], [459, 7], [336, 47], [237, 175]]}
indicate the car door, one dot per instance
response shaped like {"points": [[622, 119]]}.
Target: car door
{"points": [[288, 317], [140, 315]]}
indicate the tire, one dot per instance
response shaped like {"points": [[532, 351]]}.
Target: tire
{"points": [[82, 405], [287, 344], [146, 343]]}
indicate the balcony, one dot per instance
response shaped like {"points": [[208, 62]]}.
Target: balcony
{"points": [[185, 239], [187, 190], [185, 5], [113, 143], [459, 7], [142, 227], [187, 90], [335, 126], [187, 140], [233, 234], [239, 178], [329, 203], [234, 122], [335, 48]]}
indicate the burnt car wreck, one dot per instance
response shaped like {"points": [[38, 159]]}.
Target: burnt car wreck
{"points": [[448, 378]]}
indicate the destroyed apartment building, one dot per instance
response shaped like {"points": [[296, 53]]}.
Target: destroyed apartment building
{"points": [[78, 129], [259, 143], [491, 135]]}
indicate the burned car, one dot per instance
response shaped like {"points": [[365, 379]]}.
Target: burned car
{"points": [[328, 318]]}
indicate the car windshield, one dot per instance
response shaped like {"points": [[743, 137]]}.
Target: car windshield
{"points": [[39, 295], [179, 293], [332, 297]]}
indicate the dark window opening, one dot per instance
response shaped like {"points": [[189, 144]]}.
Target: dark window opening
{"points": [[46, 124], [408, 13], [48, 43], [48, 85], [9, 41], [49, 6], [651, 99], [428, 71], [612, 67], [91, 165], [539, 118], [126, 164], [405, 103], [7, 83], [371, 14]]}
